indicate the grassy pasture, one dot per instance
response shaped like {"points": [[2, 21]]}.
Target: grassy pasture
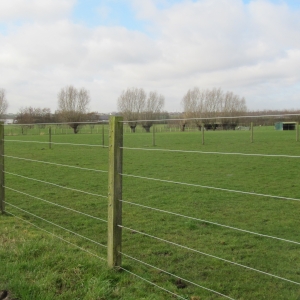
{"points": [[36, 265]]}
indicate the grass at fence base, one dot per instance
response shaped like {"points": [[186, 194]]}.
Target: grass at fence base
{"points": [[38, 264], [35, 265]]}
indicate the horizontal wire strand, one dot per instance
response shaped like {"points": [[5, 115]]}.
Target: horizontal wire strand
{"points": [[186, 280], [100, 122], [57, 236], [77, 234], [67, 208], [211, 152], [54, 143], [152, 283], [210, 222], [211, 187], [209, 255], [55, 164], [60, 186], [210, 118]]}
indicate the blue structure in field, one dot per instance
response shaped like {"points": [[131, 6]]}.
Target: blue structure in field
{"points": [[285, 126]]}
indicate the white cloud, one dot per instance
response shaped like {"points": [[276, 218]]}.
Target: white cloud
{"points": [[250, 49], [34, 9]]}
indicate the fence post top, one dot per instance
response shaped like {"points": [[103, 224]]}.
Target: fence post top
{"points": [[116, 117]]}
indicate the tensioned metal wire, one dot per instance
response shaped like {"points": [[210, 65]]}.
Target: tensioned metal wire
{"points": [[76, 211], [57, 236], [176, 276], [55, 204], [54, 224], [55, 164], [210, 222], [208, 255], [212, 152], [67, 208], [214, 223], [56, 143], [210, 187], [214, 118], [56, 185], [147, 178], [72, 232], [152, 283], [170, 119], [61, 123]]}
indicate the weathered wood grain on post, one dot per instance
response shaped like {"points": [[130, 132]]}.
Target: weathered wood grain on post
{"points": [[114, 243], [2, 190]]}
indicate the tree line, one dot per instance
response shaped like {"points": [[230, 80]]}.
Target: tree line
{"points": [[72, 108], [211, 108], [200, 107]]}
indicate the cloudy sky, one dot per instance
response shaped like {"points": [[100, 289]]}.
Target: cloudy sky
{"points": [[249, 47]]}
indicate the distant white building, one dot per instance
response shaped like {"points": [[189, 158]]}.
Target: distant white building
{"points": [[7, 121]]}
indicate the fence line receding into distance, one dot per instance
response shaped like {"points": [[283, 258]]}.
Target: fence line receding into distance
{"points": [[115, 200]]}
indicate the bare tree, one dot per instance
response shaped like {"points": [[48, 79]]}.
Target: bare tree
{"points": [[232, 106], [152, 109], [130, 105], [193, 103], [3, 102], [73, 106], [212, 107], [134, 105], [204, 106]]}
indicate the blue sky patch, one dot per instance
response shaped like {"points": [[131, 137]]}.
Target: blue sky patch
{"points": [[106, 13], [3, 29], [294, 4]]}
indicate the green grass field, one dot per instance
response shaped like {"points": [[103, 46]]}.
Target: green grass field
{"points": [[38, 265]]}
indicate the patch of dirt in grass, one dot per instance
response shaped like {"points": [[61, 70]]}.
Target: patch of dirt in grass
{"points": [[6, 295]]}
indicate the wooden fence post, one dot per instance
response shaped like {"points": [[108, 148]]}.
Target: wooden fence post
{"points": [[102, 134], [2, 190], [251, 132], [114, 242], [50, 137], [153, 135]]}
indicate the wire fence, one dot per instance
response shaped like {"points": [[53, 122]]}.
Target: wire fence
{"points": [[139, 227], [56, 129]]}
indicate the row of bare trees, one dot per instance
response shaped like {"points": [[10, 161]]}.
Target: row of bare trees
{"points": [[212, 107], [138, 107], [73, 108]]}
